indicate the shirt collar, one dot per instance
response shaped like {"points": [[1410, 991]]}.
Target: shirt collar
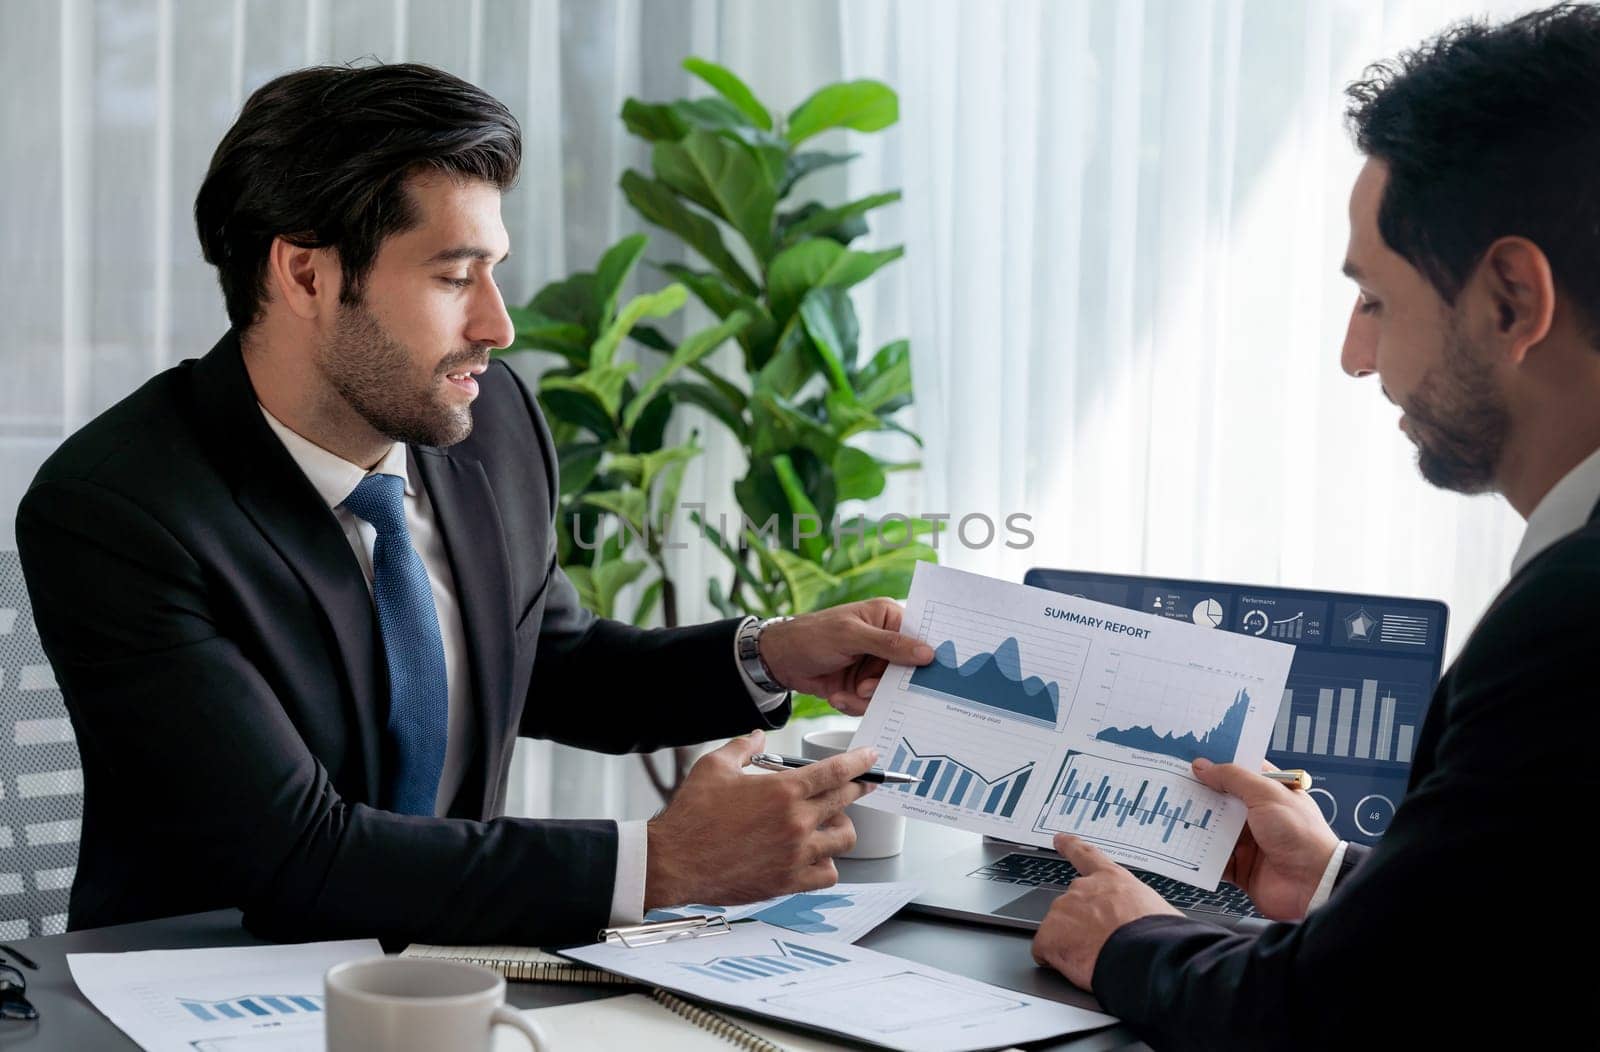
{"points": [[1563, 510], [333, 477]]}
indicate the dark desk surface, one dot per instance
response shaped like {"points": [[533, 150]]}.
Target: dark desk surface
{"points": [[68, 1022]]}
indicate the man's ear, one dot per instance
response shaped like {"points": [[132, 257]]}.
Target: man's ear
{"points": [[306, 280], [1521, 292]]}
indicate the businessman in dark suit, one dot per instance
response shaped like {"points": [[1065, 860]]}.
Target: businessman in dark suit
{"points": [[301, 595], [1475, 242]]}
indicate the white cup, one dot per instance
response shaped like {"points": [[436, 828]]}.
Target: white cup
{"points": [[878, 833], [401, 1004]]}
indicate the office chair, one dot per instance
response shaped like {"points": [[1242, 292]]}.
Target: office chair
{"points": [[41, 776]]}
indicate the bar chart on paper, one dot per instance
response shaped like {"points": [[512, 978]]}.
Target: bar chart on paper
{"points": [[1015, 669], [1152, 705], [1130, 805], [787, 958], [252, 1006], [948, 780]]}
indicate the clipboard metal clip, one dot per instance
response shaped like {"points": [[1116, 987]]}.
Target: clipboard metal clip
{"points": [[634, 936]]}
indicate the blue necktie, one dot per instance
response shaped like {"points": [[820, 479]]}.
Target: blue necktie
{"points": [[419, 702]]}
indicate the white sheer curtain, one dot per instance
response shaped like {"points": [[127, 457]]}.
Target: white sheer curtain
{"points": [[1124, 224], [1123, 221]]}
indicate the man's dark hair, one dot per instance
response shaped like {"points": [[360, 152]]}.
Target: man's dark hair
{"points": [[1490, 132], [320, 156]]}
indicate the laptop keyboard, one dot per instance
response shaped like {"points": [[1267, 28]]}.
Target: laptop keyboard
{"points": [[1043, 871]]}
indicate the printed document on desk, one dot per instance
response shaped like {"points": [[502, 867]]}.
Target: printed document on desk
{"points": [[844, 912], [231, 999], [1045, 713], [842, 989]]}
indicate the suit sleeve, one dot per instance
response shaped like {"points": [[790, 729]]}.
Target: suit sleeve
{"points": [[201, 773], [1399, 949], [656, 687]]}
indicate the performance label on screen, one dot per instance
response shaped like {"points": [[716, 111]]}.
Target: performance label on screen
{"points": [[1045, 713]]}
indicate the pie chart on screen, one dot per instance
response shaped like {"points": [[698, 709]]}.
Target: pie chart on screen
{"points": [[1207, 613]]}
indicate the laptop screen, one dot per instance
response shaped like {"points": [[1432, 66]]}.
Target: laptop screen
{"points": [[1364, 669]]}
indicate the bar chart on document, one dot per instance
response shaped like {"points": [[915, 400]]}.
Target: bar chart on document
{"points": [[1043, 714], [1010, 678]]}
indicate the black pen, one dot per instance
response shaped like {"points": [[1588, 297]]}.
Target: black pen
{"points": [[771, 761]]}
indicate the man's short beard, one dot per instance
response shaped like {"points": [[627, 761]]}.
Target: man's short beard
{"points": [[1459, 420], [372, 371]]}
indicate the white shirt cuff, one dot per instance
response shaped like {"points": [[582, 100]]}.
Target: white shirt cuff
{"points": [[1325, 885], [627, 894], [764, 701]]}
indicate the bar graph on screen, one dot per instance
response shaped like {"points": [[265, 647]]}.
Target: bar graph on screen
{"points": [[1372, 716], [1130, 805], [949, 781]]}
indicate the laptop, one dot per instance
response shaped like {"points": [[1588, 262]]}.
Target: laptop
{"points": [[1364, 669]]}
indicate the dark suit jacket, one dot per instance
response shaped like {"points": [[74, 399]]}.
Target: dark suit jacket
{"points": [[219, 654], [1465, 921]]}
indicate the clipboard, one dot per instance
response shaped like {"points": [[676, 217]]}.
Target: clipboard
{"points": [[653, 933]]}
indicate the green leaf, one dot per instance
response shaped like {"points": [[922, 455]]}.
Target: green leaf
{"points": [[731, 88], [861, 540], [718, 600], [809, 707], [722, 301], [799, 165], [689, 351], [611, 577], [612, 270], [810, 264], [656, 202], [740, 569], [847, 417], [578, 463], [713, 115], [650, 305], [649, 431], [603, 385], [844, 232], [792, 364], [626, 504], [884, 384], [888, 575], [572, 300], [654, 121], [831, 323], [818, 223], [583, 580], [856, 474], [576, 404], [725, 179], [806, 581], [800, 503], [651, 337], [712, 401], [732, 394], [641, 469], [671, 486], [863, 105], [780, 425], [648, 603], [538, 333]]}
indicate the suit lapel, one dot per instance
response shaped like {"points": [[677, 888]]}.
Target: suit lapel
{"points": [[480, 561], [280, 500]]}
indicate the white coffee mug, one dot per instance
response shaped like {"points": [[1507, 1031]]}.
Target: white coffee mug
{"points": [[402, 1004], [878, 833]]}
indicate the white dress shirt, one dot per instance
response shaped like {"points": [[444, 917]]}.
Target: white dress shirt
{"points": [[334, 479], [1562, 511]]}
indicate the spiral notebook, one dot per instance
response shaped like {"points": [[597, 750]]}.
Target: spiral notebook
{"points": [[523, 964], [659, 1022]]}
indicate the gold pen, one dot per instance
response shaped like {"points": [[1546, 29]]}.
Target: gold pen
{"points": [[1292, 779]]}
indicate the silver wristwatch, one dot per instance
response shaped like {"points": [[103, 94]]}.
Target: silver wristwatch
{"points": [[748, 646]]}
